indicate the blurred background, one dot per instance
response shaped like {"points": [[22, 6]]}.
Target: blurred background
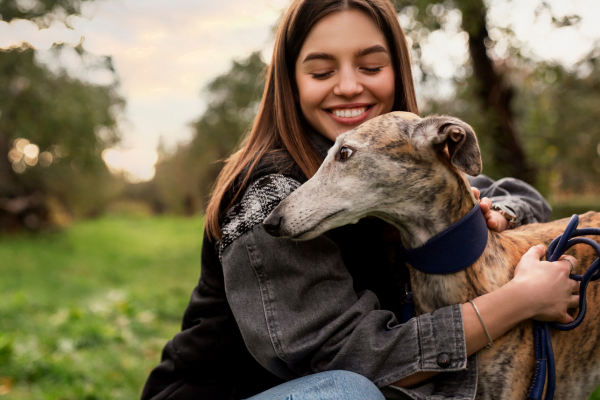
{"points": [[115, 116]]}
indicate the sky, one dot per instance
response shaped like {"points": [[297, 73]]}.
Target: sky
{"points": [[165, 52]]}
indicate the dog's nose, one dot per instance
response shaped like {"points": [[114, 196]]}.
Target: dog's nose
{"points": [[272, 224]]}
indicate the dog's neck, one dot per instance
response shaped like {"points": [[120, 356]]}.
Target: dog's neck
{"points": [[422, 222]]}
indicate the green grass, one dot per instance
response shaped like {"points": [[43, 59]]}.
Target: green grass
{"points": [[578, 205], [84, 313]]}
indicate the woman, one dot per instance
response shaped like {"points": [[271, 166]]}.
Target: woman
{"points": [[267, 310]]}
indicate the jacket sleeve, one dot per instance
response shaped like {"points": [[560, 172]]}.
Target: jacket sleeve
{"points": [[298, 313], [527, 203]]}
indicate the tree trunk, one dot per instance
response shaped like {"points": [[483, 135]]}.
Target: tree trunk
{"points": [[495, 95], [8, 178], [19, 208]]}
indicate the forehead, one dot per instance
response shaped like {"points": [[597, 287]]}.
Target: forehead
{"points": [[343, 31]]}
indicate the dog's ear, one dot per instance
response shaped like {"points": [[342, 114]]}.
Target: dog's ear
{"points": [[455, 135]]}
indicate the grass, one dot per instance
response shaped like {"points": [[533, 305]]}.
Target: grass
{"points": [[84, 313], [565, 208]]}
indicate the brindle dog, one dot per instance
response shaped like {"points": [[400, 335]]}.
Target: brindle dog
{"points": [[411, 172]]}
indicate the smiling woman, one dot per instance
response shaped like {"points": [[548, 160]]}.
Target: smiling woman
{"points": [[269, 310], [344, 73]]}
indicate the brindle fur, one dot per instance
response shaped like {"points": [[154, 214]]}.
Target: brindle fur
{"points": [[410, 172]]}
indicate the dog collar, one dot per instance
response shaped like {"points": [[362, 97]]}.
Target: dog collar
{"points": [[453, 249]]}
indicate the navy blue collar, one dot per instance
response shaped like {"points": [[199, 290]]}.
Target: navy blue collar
{"points": [[453, 249]]}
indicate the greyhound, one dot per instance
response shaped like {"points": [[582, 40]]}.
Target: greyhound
{"points": [[410, 172]]}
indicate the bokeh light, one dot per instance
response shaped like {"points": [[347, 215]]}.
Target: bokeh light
{"points": [[45, 158], [25, 154]]}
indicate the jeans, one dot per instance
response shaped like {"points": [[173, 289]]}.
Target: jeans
{"points": [[330, 385]]}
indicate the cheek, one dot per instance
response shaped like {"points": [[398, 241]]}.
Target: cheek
{"points": [[311, 92], [384, 89]]}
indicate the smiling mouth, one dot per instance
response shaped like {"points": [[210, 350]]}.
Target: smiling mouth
{"points": [[318, 224], [349, 112]]}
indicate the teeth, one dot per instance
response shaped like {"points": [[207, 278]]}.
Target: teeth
{"points": [[349, 112]]}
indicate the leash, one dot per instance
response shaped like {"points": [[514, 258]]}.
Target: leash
{"points": [[465, 241], [545, 366]]}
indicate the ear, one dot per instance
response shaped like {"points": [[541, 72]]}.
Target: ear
{"points": [[456, 135]]}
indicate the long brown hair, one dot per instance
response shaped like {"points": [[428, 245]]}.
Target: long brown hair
{"points": [[279, 124]]}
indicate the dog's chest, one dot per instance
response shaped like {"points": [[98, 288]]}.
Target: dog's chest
{"points": [[435, 291]]}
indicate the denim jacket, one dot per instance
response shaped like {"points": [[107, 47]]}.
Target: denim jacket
{"points": [[299, 313], [267, 310]]}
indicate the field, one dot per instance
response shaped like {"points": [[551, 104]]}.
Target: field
{"points": [[85, 312]]}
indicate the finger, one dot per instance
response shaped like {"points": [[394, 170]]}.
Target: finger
{"points": [[571, 258], [476, 193], [574, 302], [536, 252], [485, 204], [567, 266], [575, 285], [492, 223], [565, 319]]}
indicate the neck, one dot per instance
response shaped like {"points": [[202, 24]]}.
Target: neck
{"points": [[419, 223]]}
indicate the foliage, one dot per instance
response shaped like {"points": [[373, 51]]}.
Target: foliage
{"points": [[69, 121], [551, 109], [183, 180], [541, 101], [558, 118], [86, 312], [42, 12]]}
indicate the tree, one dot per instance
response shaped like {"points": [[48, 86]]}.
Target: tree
{"points": [[491, 82], [559, 110], [53, 127], [183, 180]]}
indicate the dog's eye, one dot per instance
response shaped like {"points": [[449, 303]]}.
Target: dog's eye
{"points": [[345, 153]]}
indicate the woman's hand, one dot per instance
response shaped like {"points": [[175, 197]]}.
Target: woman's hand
{"points": [[495, 221], [540, 290], [547, 284]]}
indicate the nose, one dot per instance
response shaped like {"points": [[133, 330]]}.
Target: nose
{"points": [[272, 224], [348, 84]]}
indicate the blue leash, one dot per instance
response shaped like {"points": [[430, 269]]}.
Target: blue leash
{"points": [[466, 240], [541, 330]]}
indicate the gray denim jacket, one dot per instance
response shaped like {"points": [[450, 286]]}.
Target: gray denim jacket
{"points": [[298, 313]]}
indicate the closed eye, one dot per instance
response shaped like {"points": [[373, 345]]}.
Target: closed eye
{"points": [[372, 70], [321, 76]]}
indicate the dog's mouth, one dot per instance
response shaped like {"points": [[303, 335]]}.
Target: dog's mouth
{"points": [[314, 228]]}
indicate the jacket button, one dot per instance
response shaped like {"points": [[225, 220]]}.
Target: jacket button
{"points": [[443, 360]]}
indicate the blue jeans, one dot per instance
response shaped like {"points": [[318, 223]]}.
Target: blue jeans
{"points": [[330, 385]]}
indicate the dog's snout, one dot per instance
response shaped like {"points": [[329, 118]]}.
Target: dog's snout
{"points": [[272, 224]]}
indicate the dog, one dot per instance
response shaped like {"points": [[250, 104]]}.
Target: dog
{"points": [[410, 172]]}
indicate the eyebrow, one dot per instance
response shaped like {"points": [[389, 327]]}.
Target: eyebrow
{"points": [[318, 56], [370, 50], [360, 53]]}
